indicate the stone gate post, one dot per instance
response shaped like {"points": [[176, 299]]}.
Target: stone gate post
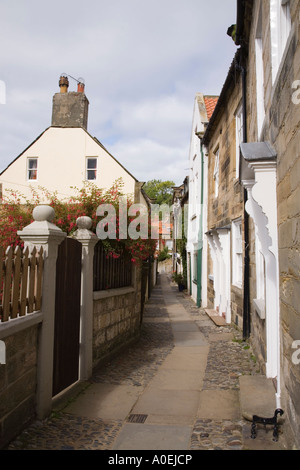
{"points": [[88, 240], [42, 232]]}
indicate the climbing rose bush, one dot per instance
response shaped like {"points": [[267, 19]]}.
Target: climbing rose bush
{"points": [[16, 213]]}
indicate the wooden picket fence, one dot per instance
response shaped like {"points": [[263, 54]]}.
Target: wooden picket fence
{"points": [[109, 272], [20, 282]]}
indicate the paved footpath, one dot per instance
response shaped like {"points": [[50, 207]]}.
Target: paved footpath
{"points": [[177, 388]]}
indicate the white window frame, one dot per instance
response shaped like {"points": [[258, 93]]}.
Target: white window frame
{"points": [[28, 169], [87, 169], [217, 172], [237, 253], [239, 123], [260, 86], [280, 22], [195, 266]]}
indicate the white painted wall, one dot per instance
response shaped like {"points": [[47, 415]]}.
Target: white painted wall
{"points": [[195, 177], [61, 154]]}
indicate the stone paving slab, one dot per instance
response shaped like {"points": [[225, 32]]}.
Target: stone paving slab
{"points": [[257, 397], [192, 358], [149, 437], [106, 401], [184, 379], [188, 338], [219, 404], [167, 402], [189, 326]]}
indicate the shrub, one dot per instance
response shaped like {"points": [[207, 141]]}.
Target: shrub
{"points": [[16, 213]]}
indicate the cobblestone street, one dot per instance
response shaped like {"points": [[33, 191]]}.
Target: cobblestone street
{"points": [[135, 371]]}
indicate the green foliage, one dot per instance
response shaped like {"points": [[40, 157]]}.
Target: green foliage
{"points": [[232, 32], [164, 254], [181, 247], [16, 213], [160, 191], [179, 279]]}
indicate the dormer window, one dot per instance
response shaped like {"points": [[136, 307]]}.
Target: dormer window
{"points": [[91, 168], [32, 169]]}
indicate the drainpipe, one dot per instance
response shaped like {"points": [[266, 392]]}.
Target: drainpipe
{"points": [[200, 236], [246, 301], [246, 309]]}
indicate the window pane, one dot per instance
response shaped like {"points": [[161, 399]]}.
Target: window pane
{"points": [[32, 168], [92, 163], [91, 174], [91, 168], [32, 164], [237, 253], [32, 175]]}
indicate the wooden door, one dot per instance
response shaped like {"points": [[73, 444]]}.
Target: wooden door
{"points": [[67, 315]]}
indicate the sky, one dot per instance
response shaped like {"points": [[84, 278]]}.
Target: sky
{"points": [[142, 63]]}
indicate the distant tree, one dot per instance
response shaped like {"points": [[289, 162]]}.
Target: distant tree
{"points": [[160, 191], [164, 254]]}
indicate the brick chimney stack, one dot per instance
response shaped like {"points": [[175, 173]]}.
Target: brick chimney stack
{"points": [[70, 109]]}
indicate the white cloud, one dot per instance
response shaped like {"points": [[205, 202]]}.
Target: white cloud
{"points": [[142, 62], [162, 118], [147, 159]]}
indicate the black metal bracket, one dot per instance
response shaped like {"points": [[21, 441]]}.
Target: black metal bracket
{"points": [[272, 421]]}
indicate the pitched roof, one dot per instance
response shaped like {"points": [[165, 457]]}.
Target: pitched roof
{"points": [[230, 82], [210, 104], [58, 127]]}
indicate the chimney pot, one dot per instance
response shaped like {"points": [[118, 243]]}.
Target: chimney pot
{"points": [[80, 87], [63, 84]]}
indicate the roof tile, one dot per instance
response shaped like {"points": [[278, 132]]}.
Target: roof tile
{"points": [[210, 104]]}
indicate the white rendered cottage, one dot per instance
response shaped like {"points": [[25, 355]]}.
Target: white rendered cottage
{"points": [[197, 209], [65, 155]]}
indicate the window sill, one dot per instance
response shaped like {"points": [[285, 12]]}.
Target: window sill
{"points": [[260, 308], [238, 285]]}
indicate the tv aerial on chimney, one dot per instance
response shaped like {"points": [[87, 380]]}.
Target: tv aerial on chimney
{"points": [[80, 81]]}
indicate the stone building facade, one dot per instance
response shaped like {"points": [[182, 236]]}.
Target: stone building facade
{"points": [[268, 36], [225, 215], [196, 246], [252, 147]]}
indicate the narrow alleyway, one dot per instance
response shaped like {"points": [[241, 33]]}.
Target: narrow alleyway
{"points": [[177, 388]]}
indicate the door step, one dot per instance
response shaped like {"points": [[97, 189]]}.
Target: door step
{"points": [[215, 317]]}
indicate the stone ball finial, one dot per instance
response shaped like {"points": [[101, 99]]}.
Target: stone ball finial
{"points": [[43, 213], [84, 222]]}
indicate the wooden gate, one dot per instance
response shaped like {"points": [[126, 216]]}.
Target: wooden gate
{"points": [[67, 315]]}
